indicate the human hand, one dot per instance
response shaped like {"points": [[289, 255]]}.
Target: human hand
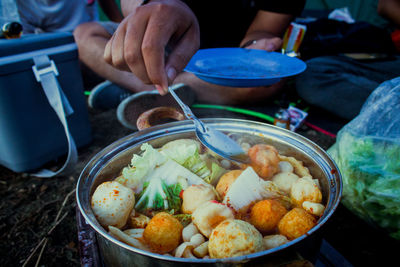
{"points": [[266, 43], [141, 39]]}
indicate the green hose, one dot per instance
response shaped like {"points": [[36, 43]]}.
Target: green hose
{"points": [[237, 110]]}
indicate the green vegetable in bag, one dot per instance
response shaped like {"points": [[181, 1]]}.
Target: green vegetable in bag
{"points": [[367, 152]]}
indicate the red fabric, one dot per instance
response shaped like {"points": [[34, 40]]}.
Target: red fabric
{"points": [[396, 39]]}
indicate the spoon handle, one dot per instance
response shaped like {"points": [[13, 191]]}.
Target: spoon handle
{"points": [[188, 112]]}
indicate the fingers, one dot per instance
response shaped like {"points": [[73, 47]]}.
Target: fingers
{"points": [[180, 56], [153, 48], [139, 43], [114, 52], [182, 36], [133, 48], [274, 44], [107, 52], [268, 44], [117, 48], [123, 50]]}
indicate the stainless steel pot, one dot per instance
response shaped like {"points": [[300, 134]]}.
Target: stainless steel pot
{"points": [[107, 164]]}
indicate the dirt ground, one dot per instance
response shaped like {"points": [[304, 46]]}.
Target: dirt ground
{"points": [[38, 224], [40, 213]]}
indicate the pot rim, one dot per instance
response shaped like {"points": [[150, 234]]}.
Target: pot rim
{"points": [[106, 154]]}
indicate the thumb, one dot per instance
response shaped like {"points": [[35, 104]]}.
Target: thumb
{"points": [[273, 44]]}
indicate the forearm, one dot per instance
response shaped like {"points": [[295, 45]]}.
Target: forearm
{"points": [[390, 9], [111, 9]]}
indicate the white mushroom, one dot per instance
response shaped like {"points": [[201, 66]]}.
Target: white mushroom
{"points": [[197, 240], [135, 233], [201, 251], [184, 250], [121, 236], [189, 231]]}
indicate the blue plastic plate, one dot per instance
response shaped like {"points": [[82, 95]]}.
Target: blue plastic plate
{"points": [[239, 67]]}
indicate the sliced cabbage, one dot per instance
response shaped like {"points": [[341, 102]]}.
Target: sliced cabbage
{"points": [[249, 188], [163, 185], [180, 150], [134, 175], [151, 164], [186, 152], [157, 195], [173, 173], [216, 172]]}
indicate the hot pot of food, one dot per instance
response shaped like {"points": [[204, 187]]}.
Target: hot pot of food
{"points": [[158, 197]]}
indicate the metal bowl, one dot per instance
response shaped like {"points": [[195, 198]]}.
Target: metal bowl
{"points": [[108, 163]]}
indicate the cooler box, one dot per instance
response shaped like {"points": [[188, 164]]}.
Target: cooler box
{"points": [[31, 134]]}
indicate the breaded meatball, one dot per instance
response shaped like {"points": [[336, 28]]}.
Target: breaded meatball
{"points": [[112, 203], [305, 189], [296, 223], [233, 238], [266, 214], [163, 233], [225, 182], [209, 215], [264, 159], [195, 195]]}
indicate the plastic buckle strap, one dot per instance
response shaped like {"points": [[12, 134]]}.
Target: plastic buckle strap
{"points": [[42, 71], [46, 75], [43, 67]]}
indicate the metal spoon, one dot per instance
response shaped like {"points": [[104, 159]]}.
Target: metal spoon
{"points": [[213, 139]]}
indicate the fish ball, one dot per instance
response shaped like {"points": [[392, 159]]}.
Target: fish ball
{"points": [[285, 180], [264, 159], [285, 166], [226, 181], [209, 215], [305, 190], [112, 204], [195, 195], [233, 238]]}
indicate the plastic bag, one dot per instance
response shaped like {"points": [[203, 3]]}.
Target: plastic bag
{"points": [[367, 152]]}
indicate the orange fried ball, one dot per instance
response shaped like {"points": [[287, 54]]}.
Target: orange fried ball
{"points": [[266, 214], [296, 223], [163, 233], [226, 181], [264, 160]]}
